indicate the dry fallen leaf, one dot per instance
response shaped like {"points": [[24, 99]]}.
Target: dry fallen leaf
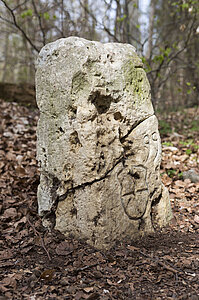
{"points": [[6, 281], [109, 282], [6, 254], [2, 164], [47, 275], [196, 219], [10, 213], [132, 248], [20, 222], [88, 289], [20, 171], [64, 248], [132, 287]]}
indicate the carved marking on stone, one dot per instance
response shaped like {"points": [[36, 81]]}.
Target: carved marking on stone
{"points": [[145, 160], [134, 191]]}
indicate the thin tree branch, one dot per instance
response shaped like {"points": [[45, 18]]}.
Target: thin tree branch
{"points": [[40, 22], [21, 4], [18, 27], [39, 235], [102, 24]]}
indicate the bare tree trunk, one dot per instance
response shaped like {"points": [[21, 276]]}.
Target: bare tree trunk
{"points": [[6, 58], [85, 18], [151, 28], [117, 27], [126, 23]]}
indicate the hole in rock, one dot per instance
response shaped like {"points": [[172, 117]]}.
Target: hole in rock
{"points": [[102, 155], [118, 116], [93, 168], [61, 129], [136, 175], [96, 219], [73, 211], [128, 148], [73, 111], [157, 168], [101, 102], [74, 139]]}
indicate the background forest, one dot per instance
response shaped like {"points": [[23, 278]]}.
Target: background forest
{"points": [[165, 34]]}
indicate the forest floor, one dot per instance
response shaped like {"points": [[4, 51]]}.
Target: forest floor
{"points": [[37, 264]]}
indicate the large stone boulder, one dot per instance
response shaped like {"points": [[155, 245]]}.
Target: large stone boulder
{"points": [[98, 144]]}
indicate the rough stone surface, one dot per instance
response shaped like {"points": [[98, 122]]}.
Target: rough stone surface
{"points": [[98, 143], [192, 175]]}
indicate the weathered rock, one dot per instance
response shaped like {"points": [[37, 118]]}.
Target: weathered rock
{"points": [[98, 143], [192, 175]]}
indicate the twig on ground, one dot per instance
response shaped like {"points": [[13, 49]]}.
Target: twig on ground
{"points": [[85, 268], [41, 239], [162, 264], [157, 261]]}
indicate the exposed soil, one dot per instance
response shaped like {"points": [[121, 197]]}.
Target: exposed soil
{"points": [[37, 264]]}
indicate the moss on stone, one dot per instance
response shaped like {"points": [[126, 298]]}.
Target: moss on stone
{"points": [[135, 79], [79, 82]]}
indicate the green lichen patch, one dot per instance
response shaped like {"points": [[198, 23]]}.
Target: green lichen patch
{"points": [[135, 80], [79, 82], [80, 88]]}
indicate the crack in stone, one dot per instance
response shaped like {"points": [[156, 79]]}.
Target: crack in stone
{"points": [[133, 192], [83, 185], [122, 139]]}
